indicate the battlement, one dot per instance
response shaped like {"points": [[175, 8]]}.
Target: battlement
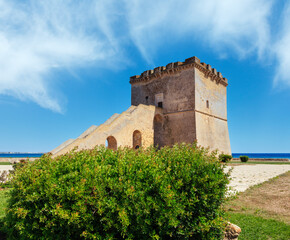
{"points": [[170, 68]]}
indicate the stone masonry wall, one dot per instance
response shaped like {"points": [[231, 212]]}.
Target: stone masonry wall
{"points": [[177, 94], [193, 96], [182, 102], [211, 114], [121, 128], [177, 89]]}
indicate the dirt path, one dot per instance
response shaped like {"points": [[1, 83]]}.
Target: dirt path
{"points": [[269, 200], [5, 168], [245, 176]]}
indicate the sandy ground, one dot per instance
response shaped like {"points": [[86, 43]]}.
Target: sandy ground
{"points": [[245, 176], [5, 167]]}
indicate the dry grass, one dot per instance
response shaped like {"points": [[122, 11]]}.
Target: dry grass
{"points": [[268, 200]]}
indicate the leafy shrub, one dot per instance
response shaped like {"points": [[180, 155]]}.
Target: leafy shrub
{"points": [[20, 164], [16, 165], [5, 176], [172, 193], [225, 157], [244, 158]]}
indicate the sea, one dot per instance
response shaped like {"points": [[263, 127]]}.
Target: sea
{"points": [[19, 155], [262, 155], [235, 155]]}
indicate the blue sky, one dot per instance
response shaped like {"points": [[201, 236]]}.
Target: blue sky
{"points": [[65, 65]]}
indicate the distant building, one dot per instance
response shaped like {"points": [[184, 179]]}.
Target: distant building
{"points": [[182, 102]]}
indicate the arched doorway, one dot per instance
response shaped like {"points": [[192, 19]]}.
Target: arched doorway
{"points": [[111, 143], [137, 139], [158, 130]]}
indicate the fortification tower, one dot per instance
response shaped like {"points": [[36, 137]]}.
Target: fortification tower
{"points": [[182, 102], [192, 97]]}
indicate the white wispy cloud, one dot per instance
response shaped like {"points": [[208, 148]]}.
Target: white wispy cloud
{"points": [[38, 37], [239, 25], [282, 50], [243, 27]]}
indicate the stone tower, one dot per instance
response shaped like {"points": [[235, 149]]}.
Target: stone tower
{"points": [[192, 99], [182, 102]]}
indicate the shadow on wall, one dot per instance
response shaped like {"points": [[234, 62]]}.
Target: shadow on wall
{"points": [[158, 130]]}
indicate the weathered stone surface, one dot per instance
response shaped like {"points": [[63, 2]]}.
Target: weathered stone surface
{"points": [[194, 103], [211, 120], [232, 232], [62, 146], [190, 98], [121, 127]]}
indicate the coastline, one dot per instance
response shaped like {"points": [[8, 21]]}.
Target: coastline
{"points": [[265, 159], [12, 159], [17, 159]]}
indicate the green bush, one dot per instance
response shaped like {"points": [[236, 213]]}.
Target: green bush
{"points": [[225, 157], [172, 193], [244, 158], [20, 164]]}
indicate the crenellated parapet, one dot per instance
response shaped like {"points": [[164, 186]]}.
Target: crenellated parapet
{"points": [[170, 68]]}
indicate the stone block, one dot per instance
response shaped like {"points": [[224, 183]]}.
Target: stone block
{"points": [[170, 66], [158, 70], [232, 232], [192, 60], [176, 64], [145, 74], [208, 67]]}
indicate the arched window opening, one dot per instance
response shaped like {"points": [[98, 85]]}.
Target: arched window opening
{"points": [[158, 130], [111, 143], [137, 139]]}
